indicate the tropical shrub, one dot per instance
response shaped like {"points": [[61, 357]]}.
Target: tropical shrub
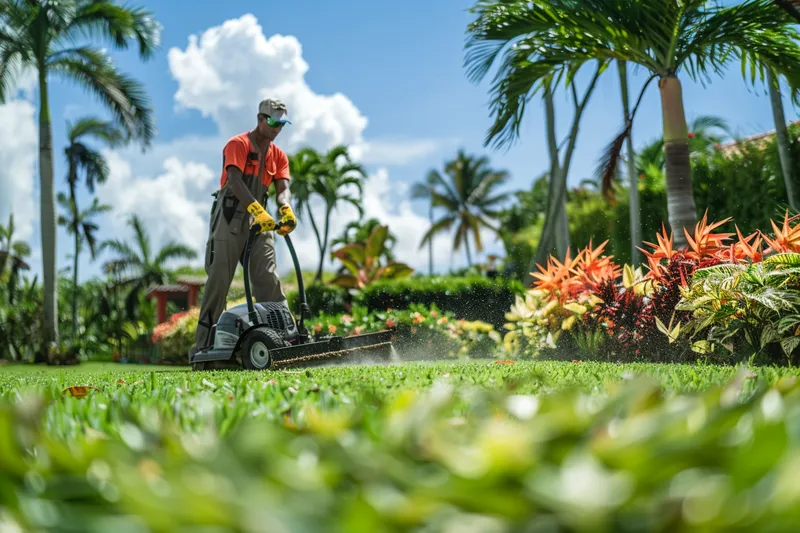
{"points": [[362, 262], [471, 298], [706, 287]]}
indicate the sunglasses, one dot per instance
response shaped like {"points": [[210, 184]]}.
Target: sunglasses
{"points": [[272, 123]]}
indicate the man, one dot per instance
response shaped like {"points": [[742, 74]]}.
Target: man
{"points": [[251, 162]]}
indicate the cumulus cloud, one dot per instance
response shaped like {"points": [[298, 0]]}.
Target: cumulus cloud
{"points": [[173, 204], [229, 91], [18, 150]]}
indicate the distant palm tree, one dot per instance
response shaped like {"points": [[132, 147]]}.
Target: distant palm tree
{"points": [[12, 256], [337, 173], [306, 168], [79, 224], [83, 158], [45, 36], [425, 190], [705, 132], [466, 198], [139, 268]]}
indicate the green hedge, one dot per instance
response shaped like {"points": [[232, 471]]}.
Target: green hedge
{"points": [[328, 299], [470, 298]]}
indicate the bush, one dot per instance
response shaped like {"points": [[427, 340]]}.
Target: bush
{"points": [[328, 299], [716, 300], [470, 298], [422, 332]]}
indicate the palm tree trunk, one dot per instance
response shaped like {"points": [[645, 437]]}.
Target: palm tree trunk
{"points": [[680, 197], [466, 247], [633, 182], [314, 226], [75, 287], [430, 241], [48, 214], [562, 228], [782, 138], [558, 171], [324, 245]]}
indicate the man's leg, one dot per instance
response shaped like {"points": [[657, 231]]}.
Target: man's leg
{"points": [[263, 270], [222, 255]]}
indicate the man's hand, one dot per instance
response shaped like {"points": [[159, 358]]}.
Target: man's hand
{"points": [[288, 221], [262, 218]]}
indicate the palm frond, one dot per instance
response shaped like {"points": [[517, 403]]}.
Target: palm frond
{"points": [[118, 25], [173, 250], [124, 96], [437, 227]]}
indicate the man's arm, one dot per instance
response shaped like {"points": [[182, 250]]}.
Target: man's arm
{"points": [[283, 195], [236, 183]]}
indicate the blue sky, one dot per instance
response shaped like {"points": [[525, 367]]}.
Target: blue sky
{"points": [[401, 66]]}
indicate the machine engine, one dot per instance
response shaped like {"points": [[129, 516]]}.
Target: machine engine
{"points": [[234, 321]]}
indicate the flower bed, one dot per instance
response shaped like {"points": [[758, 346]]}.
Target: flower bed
{"points": [[718, 299], [422, 332]]}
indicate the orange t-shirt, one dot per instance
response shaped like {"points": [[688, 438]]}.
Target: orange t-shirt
{"points": [[237, 153]]}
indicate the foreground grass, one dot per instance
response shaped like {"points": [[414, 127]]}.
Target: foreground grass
{"points": [[543, 446]]}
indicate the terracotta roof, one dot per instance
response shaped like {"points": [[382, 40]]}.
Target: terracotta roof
{"points": [[170, 288], [198, 281], [732, 147]]}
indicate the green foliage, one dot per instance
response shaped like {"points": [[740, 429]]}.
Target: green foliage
{"points": [[328, 299], [751, 308], [471, 298], [417, 447], [362, 265]]}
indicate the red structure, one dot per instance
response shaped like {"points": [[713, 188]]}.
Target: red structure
{"points": [[183, 293]]}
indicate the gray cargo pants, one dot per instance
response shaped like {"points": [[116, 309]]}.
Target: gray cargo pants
{"points": [[224, 249]]}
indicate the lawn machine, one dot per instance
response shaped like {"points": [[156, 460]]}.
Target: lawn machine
{"points": [[265, 335]]}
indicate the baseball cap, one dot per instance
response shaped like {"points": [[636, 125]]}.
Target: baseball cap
{"points": [[275, 109]]}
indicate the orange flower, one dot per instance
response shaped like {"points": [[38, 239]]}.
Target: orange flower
{"points": [[331, 329], [390, 323]]}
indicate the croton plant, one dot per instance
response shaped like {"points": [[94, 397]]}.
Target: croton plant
{"points": [[710, 298]]}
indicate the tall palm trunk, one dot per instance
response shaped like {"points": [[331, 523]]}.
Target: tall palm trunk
{"points": [[466, 247], [633, 183], [48, 213], [680, 197], [782, 138], [75, 286], [562, 227], [430, 241], [324, 245]]}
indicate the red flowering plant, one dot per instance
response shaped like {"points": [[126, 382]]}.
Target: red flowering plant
{"points": [[637, 312]]}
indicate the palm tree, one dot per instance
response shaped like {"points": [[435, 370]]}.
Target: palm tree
{"points": [[79, 224], [142, 267], [12, 255], [550, 39], [82, 157], [425, 190], [467, 198], [337, 173], [44, 36], [705, 132], [306, 167]]}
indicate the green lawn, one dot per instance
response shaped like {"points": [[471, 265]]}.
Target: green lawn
{"points": [[531, 446]]}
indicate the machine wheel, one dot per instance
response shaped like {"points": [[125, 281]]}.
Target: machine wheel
{"points": [[198, 366], [256, 347]]}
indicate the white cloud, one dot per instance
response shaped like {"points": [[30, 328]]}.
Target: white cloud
{"points": [[18, 150], [229, 90], [173, 205]]}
